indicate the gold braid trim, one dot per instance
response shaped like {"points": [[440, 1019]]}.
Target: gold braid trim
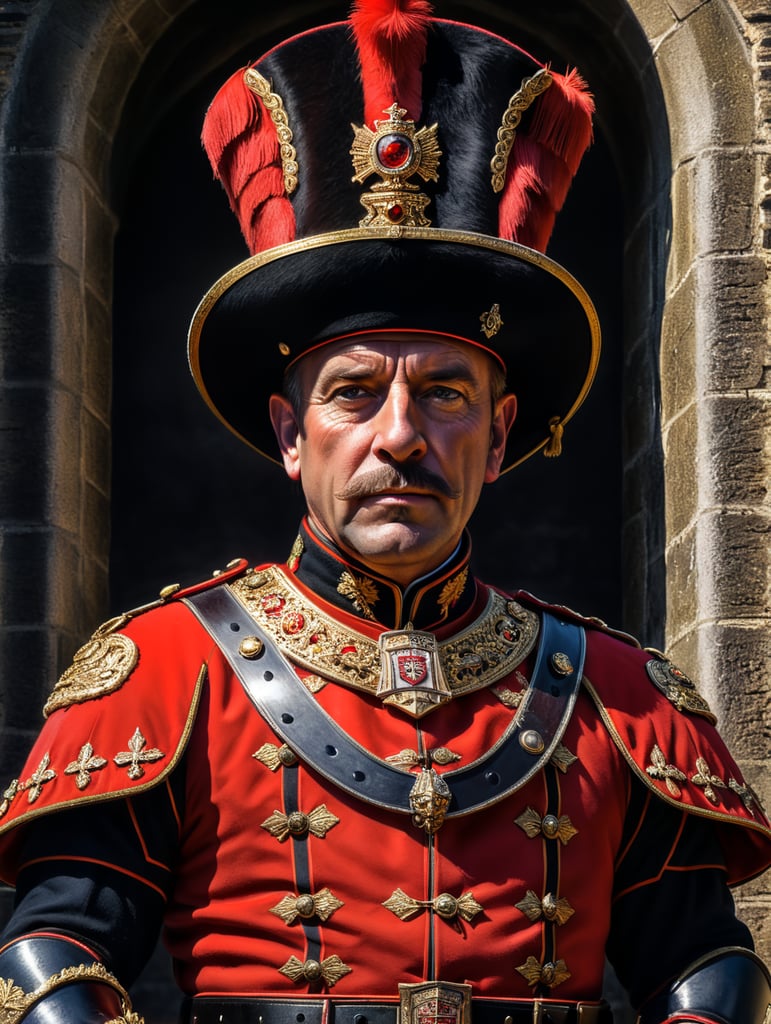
{"points": [[261, 87], [530, 89], [15, 1003]]}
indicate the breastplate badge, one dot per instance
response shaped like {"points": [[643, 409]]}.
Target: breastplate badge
{"points": [[435, 1002], [411, 675]]}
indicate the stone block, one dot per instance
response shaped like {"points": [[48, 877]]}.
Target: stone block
{"points": [[655, 17], [682, 250], [147, 21], [678, 352], [28, 670], [684, 8], [682, 584], [25, 467], [97, 358], [122, 63], [725, 201], [708, 83], [96, 454], [96, 531], [37, 227], [681, 443], [731, 298], [734, 553], [756, 914], [645, 259], [736, 435], [99, 235], [682, 643], [641, 427]]}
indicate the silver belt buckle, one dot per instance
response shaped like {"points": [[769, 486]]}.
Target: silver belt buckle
{"points": [[435, 1002]]}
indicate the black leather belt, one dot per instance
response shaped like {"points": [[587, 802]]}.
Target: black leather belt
{"points": [[218, 1010]]}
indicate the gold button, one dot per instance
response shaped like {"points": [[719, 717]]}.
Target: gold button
{"points": [[297, 823], [305, 906], [550, 826], [531, 741], [561, 664], [311, 970], [287, 756], [251, 647], [446, 906]]}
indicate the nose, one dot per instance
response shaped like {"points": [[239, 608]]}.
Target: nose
{"points": [[398, 436]]}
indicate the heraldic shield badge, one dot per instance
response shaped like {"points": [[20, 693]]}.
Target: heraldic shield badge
{"points": [[435, 1002], [411, 673]]}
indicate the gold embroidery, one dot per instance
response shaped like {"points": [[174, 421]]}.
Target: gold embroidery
{"points": [[452, 591], [551, 827], [8, 796], [551, 907], [668, 773], [274, 757], [360, 591], [508, 697], [446, 906], [318, 823], [305, 906], [411, 758], [518, 104], [42, 775], [86, 763], [295, 554], [491, 321], [260, 86], [15, 1003], [707, 780], [744, 793], [330, 970], [676, 685], [549, 974], [477, 657], [563, 758], [136, 755], [314, 683], [100, 667]]}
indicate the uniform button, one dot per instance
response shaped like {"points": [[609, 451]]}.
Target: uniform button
{"points": [[550, 826], [251, 647], [561, 664], [532, 741], [305, 906], [311, 970], [446, 906], [297, 823]]}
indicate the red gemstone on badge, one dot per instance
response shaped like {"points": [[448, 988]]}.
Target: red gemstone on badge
{"points": [[395, 213], [394, 151], [292, 623], [273, 603]]}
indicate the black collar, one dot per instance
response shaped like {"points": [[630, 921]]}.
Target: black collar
{"points": [[428, 602]]}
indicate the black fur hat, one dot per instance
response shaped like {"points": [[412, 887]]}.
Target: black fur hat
{"points": [[474, 145]]}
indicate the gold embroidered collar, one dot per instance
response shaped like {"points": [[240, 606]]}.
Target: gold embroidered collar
{"points": [[480, 655]]}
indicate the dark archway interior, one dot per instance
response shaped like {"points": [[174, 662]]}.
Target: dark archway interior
{"points": [[187, 497]]}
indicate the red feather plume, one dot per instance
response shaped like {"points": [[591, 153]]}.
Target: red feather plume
{"points": [[543, 162], [391, 37], [241, 142]]}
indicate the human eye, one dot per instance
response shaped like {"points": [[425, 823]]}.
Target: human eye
{"points": [[443, 394]]}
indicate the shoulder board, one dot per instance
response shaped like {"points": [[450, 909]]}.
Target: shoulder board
{"points": [[104, 663], [563, 612], [174, 592]]}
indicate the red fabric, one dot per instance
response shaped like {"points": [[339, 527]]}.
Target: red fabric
{"points": [[220, 927], [390, 38]]}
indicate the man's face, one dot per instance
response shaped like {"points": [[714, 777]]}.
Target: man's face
{"points": [[398, 434]]}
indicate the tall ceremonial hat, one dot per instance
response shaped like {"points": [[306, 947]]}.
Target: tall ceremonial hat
{"points": [[397, 172]]}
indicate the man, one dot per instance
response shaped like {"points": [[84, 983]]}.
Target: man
{"points": [[363, 785]]}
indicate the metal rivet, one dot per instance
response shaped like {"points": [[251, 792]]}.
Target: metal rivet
{"points": [[561, 664], [251, 647], [532, 741], [284, 348]]}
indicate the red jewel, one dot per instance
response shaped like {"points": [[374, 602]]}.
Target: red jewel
{"points": [[273, 603], [292, 623], [395, 212], [394, 151], [348, 649]]}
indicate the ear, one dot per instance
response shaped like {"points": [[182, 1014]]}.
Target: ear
{"points": [[505, 414], [287, 431]]}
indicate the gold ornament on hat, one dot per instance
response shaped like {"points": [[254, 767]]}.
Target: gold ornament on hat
{"points": [[491, 321], [396, 151]]}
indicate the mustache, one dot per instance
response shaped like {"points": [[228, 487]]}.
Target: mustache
{"points": [[389, 478]]}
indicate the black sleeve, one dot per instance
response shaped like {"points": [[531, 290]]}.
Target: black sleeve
{"points": [[671, 901], [101, 873]]}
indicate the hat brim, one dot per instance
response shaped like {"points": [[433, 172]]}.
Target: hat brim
{"points": [[265, 313]]}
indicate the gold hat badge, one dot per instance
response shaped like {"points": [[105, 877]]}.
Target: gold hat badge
{"points": [[397, 151]]}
